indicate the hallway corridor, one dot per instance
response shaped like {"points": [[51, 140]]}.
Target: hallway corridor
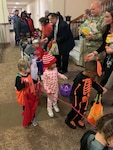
{"points": [[52, 133]]}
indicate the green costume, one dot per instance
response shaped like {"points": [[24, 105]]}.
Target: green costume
{"points": [[96, 24]]}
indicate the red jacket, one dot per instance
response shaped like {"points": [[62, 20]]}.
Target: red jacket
{"points": [[39, 53], [31, 103]]}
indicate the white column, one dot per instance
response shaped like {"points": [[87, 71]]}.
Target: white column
{"points": [[4, 25]]}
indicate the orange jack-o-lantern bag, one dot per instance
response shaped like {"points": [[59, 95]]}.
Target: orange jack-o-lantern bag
{"points": [[96, 110]]}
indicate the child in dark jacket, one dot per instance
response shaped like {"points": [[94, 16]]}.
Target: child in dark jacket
{"points": [[80, 94], [103, 139]]}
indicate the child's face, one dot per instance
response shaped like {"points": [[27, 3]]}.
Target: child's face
{"points": [[25, 41], [110, 142], [52, 66], [26, 69], [28, 35], [36, 44]]}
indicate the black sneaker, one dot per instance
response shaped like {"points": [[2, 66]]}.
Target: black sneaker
{"points": [[69, 124]]}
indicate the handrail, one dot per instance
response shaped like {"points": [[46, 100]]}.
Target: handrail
{"points": [[78, 18]]}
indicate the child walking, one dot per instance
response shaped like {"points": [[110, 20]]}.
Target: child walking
{"points": [[25, 93], [50, 82], [80, 94]]}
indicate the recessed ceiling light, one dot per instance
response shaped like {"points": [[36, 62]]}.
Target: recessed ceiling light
{"points": [[17, 3]]}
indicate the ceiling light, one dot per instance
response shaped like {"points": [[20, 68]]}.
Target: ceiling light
{"points": [[17, 3]]}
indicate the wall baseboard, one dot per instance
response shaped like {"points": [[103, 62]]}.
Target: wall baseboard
{"points": [[4, 45]]}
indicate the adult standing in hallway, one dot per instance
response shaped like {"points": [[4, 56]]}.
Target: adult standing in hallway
{"points": [[47, 28], [30, 23], [22, 26], [15, 22], [94, 39], [63, 37], [46, 13]]}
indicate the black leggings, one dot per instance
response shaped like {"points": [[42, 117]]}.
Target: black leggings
{"points": [[106, 74]]}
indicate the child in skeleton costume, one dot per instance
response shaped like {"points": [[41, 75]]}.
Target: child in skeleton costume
{"points": [[80, 94]]}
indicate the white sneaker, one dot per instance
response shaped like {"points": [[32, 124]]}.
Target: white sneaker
{"points": [[56, 108], [35, 122], [50, 112], [41, 77]]}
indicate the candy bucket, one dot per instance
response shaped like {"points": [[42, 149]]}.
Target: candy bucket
{"points": [[65, 90]]}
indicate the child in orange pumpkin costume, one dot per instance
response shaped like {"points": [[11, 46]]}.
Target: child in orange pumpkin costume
{"points": [[80, 94], [25, 92]]}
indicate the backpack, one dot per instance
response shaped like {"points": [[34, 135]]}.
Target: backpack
{"points": [[83, 141]]}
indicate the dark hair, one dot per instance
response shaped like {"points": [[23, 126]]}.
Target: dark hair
{"points": [[91, 66], [53, 15], [23, 13], [107, 27], [88, 12], [110, 10], [16, 10], [60, 16], [105, 125], [43, 20], [24, 39]]}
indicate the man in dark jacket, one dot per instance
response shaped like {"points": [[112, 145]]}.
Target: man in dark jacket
{"points": [[15, 22], [63, 37]]}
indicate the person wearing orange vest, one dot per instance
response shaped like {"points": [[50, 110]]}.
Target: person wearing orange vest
{"points": [[25, 92]]}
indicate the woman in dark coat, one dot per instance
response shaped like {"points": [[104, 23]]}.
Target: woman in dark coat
{"points": [[23, 27]]}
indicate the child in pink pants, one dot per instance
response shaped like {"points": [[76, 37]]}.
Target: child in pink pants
{"points": [[50, 82]]}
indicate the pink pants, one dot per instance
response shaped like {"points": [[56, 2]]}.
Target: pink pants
{"points": [[52, 100]]}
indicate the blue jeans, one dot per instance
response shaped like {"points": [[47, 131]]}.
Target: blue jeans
{"points": [[40, 67]]}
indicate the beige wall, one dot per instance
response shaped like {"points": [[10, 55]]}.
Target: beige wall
{"points": [[37, 8], [75, 8], [72, 8], [34, 9]]}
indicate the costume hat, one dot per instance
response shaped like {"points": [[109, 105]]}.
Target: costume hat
{"points": [[48, 59]]}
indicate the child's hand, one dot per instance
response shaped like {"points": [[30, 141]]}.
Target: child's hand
{"points": [[89, 56], [48, 92], [26, 81], [63, 77], [108, 50], [44, 40]]}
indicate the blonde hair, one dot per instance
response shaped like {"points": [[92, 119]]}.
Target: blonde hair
{"points": [[22, 63]]}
